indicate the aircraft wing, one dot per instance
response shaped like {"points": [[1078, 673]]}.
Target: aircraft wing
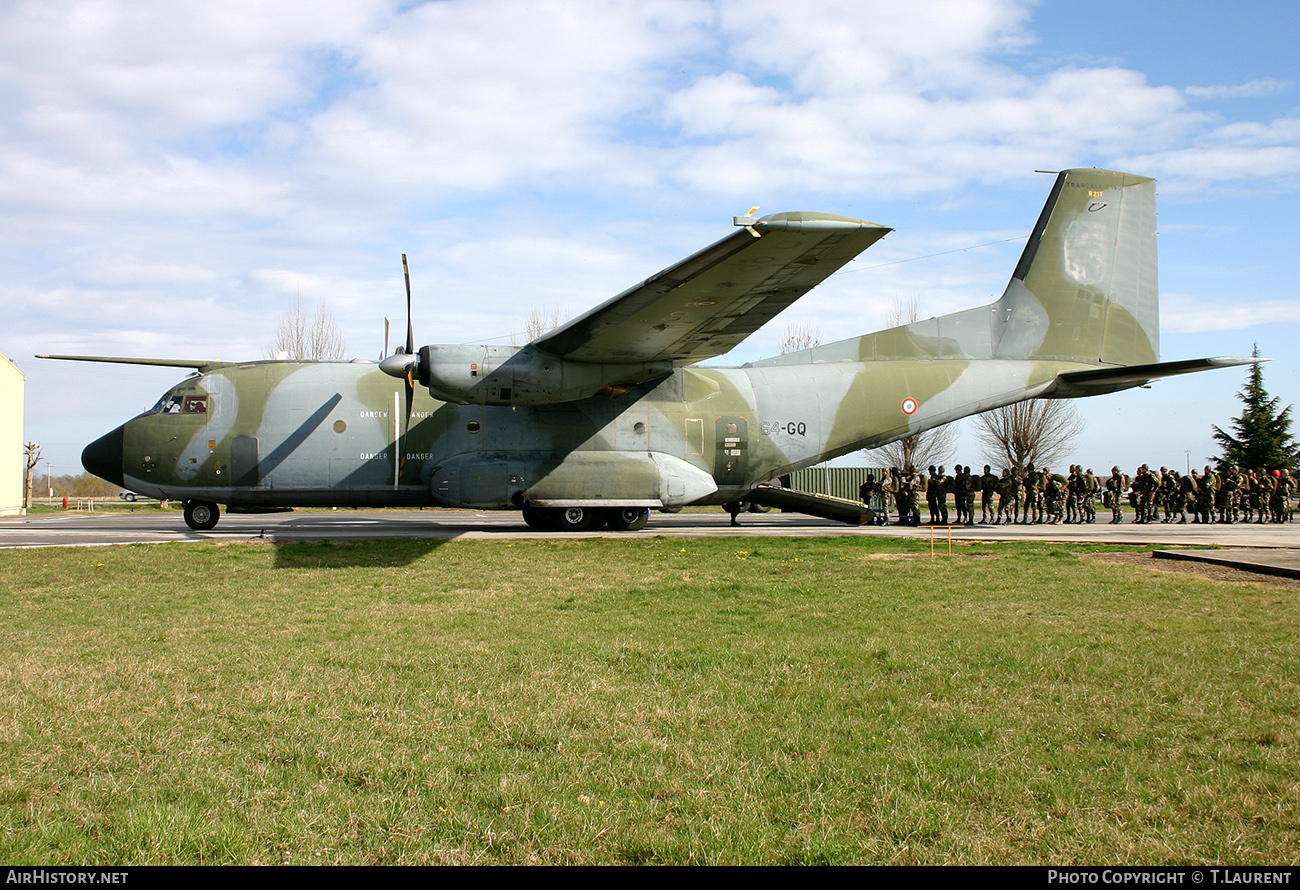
{"points": [[196, 364], [708, 303]]}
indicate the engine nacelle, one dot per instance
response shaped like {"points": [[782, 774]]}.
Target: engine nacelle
{"points": [[506, 375]]}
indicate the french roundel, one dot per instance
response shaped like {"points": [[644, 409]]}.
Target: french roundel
{"points": [[909, 405]]}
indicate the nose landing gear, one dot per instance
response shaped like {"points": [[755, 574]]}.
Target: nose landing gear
{"points": [[201, 515]]}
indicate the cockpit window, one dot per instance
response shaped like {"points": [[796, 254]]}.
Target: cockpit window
{"points": [[181, 403], [168, 404]]}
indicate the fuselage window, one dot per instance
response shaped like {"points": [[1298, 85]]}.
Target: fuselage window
{"points": [[195, 405]]}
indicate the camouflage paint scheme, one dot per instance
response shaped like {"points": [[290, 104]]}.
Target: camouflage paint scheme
{"points": [[610, 411]]}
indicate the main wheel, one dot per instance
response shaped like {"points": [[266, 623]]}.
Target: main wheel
{"points": [[537, 519], [201, 515], [572, 519], [628, 519]]}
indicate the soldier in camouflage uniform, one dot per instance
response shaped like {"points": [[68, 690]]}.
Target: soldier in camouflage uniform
{"points": [[932, 489], [885, 488], [902, 492], [1215, 484], [1053, 496], [1167, 494], [1008, 497], [908, 497], [945, 488], [1186, 497], [867, 490], [1257, 496], [869, 494], [1203, 506], [1033, 502], [1145, 485], [1225, 499], [988, 490], [1279, 506], [968, 498], [1116, 484], [1091, 488], [1266, 486], [960, 481], [1074, 490], [1292, 483]]}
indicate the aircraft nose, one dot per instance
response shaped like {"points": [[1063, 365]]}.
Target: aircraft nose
{"points": [[103, 457]]}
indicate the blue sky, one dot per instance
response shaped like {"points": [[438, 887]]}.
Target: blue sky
{"points": [[172, 176]]}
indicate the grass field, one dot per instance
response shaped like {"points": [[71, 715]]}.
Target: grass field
{"points": [[641, 700]]}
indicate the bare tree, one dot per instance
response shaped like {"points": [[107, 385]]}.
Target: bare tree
{"points": [[926, 449], [1037, 431], [32, 453], [541, 321], [85, 486], [800, 335], [921, 450], [900, 314], [300, 338]]}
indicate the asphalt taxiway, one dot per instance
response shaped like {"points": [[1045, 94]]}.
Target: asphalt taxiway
{"points": [[1269, 548]]}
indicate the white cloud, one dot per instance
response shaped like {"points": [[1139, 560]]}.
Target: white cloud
{"points": [[1182, 313], [151, 73], [485, 95], [1263, 87]]}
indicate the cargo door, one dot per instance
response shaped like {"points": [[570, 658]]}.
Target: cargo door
{"points": [[243, 462]]}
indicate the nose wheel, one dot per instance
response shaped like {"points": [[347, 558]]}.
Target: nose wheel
{"points": [[201, 515]]}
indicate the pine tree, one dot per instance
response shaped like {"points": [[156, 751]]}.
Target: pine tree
{"points": [[1263, 438]]}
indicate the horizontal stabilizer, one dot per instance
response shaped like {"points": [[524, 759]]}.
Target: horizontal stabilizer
{"points": [[1103, 380]]}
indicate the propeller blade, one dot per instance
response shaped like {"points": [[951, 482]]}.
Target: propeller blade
{"points": [[410, 332], [384, 354], [404, 362], [406, 370]]}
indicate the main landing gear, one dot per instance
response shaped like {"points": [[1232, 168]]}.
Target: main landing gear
{"points": [[201, 515], [581, 519]]}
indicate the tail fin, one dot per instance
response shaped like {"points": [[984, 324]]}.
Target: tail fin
{"points": [[1086, 288]]}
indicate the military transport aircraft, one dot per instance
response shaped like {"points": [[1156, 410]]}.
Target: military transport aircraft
{"points": [[609, 416]]}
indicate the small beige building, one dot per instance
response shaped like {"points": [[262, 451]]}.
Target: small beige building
{"points": [[12, 382]]}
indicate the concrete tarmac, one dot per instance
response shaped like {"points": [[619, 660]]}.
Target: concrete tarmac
{"points": [[1284, 562]]}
